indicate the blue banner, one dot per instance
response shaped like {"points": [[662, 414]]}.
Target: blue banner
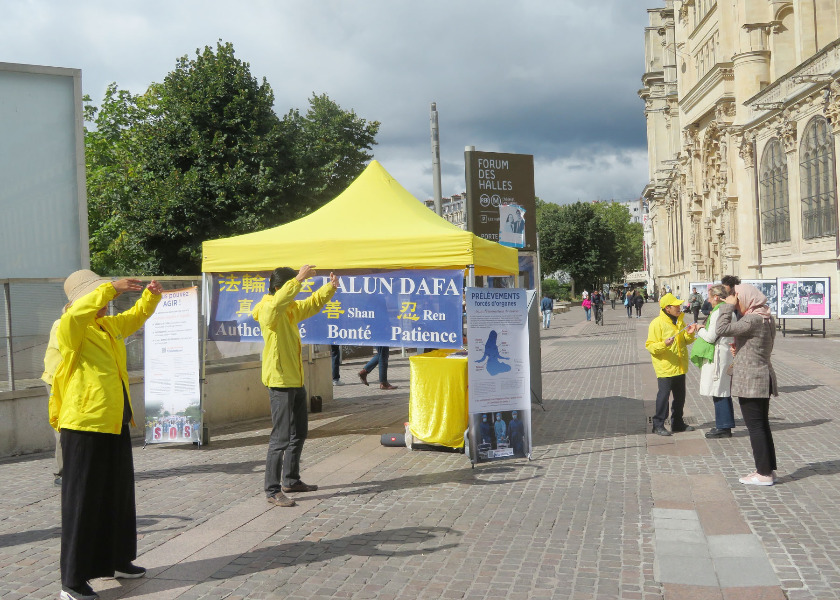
{"points": [[393, 308]]}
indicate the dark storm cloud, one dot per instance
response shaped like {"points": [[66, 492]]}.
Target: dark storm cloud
{"points": [[553, 78]]}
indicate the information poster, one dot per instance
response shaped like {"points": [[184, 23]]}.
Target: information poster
{"points": [[172, 391], [499, 374], [768, 287], [804, 297], [414, 308]]}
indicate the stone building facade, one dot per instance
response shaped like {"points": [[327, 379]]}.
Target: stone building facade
{"points": [[742, 102], [453, 208]]}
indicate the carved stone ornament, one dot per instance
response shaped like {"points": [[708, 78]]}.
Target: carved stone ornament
{"points": [[690, 141], [787, 131], [745, 150], [831, 108], [724, 112]]}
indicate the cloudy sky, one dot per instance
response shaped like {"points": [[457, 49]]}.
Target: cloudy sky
{"points": [[552, 78]]}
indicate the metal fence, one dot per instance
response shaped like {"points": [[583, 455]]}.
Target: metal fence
{"points": [[29, 307]]}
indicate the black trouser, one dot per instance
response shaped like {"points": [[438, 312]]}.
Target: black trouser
{"points": [[290, 425], [696, 312], [667, 385], [756, 413], [98, 518]]}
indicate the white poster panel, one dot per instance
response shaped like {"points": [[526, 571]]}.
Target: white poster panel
{"points": [[804, 297], [172, 391], [703, 288], [499, 374], [769, 288]]}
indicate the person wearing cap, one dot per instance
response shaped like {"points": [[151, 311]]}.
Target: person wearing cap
{"points": [[516, 430], [667, 343], [500, 428], [90, 405], [485, 432], [278, 314]]}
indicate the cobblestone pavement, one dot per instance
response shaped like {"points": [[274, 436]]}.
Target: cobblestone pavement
{"points": [[599, 512]]}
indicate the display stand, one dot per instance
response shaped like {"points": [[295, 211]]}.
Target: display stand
{"points": [[810, 331]]}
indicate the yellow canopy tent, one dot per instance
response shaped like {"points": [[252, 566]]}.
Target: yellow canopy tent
{"points": [[374, 224]]}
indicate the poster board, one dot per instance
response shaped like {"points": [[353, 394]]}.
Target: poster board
{"points": [[804, 297], [499, 374], [703, 288], [410, 307], [171, 379], [768, 287]]}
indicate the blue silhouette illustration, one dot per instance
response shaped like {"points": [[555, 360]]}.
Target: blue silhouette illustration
{"points": [[491, 353]]}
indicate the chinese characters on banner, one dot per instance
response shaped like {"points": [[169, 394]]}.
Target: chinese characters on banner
{"points": [[172, 391], [499, 374], [393, 308]]}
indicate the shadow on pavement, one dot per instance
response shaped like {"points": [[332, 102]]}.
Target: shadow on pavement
{"points": [[39, 535], [235, 468], [828, 467], [466, 476], [633, 364], [270, 556], [775, 425], [589, 419], [789, 389]]}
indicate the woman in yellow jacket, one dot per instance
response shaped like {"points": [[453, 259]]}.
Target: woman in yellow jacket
{"points": [[667, 343], [91, 407]]}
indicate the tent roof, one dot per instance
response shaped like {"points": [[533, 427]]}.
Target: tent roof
{"points": [[374, 224]]}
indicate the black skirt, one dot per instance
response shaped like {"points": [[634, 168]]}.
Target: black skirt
{"points": [[98, 515]]}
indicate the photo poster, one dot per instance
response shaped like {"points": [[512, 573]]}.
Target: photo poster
{"points": [[171, 378], [804, 297], [768, 287], [498, 374], [703, 288], [512, 225]]}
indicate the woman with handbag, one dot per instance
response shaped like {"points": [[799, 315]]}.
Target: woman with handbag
{"points": [[711, 353], [753, 377]]}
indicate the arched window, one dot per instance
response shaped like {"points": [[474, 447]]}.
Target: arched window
{"points": [[773, 194], [818, 186]]}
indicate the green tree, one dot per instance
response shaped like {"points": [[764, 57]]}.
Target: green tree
{"points": [[576, 238], [203, 155], [551, 288], [628, 238]]}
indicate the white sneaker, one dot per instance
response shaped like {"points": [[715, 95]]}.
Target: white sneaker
{"points": [[337, 382], [756, 479]]}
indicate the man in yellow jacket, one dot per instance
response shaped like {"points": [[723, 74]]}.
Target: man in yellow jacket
{"points": [[667, 343], [278, 314]]}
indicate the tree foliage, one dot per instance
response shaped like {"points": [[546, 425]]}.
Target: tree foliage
{"points": [[203, 155]]}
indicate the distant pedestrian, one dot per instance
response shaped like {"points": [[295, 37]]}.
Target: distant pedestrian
{"points": [[587, 307], [695, 302], [753, 377], [335, 357], [639, 301], [629, 303], [613, 297], [380, 359], [546, 306]]}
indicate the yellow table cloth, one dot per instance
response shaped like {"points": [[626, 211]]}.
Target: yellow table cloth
{"points": [[437, 406]]}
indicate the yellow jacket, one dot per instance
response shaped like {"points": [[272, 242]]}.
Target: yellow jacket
{"points": [[668, 361], [88, 385], [52, 357], [278, 316]]}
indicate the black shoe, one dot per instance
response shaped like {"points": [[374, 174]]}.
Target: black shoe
{"points": [[660, 430], [714, 432], [129, 571], [299, 487], [681, 428], [81, 592]]}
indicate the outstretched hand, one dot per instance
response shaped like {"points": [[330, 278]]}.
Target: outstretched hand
{"points": [[306, 271], [127, 285], [334, 280], [154, 287]]}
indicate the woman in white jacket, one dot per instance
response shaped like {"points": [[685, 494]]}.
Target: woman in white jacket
{"points": [[714, 359]]}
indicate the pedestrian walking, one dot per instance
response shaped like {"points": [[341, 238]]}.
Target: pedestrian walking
{"points": [[639, 301], [381, 359], [711, 353], [90, 405], [278, 314], [695, 302], [587, 307], [613, 297], [546, 306], [335, 359], [667, 343], [629, 303], [753, 377]]}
